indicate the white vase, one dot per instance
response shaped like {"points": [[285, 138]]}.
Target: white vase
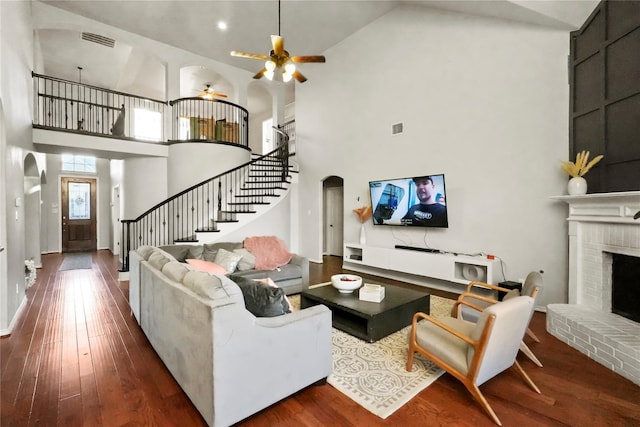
{"points": [[363, 237], [576, 186]]}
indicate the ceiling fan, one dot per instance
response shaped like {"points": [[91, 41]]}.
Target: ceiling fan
{"points": [[209, 93], [279, 58]]}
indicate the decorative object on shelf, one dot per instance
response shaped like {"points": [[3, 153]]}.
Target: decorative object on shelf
{"points": [[346, 283], [364, 213], [577, 184], [371, 293], [29, 272]]}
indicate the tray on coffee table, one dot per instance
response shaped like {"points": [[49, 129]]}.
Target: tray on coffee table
{"points": [[366, 320]]}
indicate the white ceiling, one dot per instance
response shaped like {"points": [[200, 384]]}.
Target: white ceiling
{"points": [[309, 27]]}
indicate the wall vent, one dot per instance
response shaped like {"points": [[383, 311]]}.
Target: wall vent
{"points": [[397, 128], [96, 38]]}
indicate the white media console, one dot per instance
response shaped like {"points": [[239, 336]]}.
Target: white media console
{"points": [[443, 266]]}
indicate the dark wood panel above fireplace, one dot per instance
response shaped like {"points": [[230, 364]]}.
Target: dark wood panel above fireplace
{"points": [[605, 95]]}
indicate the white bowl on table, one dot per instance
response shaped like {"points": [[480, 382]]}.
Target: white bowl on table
{"points": [[346, 283]]}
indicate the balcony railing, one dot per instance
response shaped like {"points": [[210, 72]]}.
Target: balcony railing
{"points": [[197, 119], [76, 107]]}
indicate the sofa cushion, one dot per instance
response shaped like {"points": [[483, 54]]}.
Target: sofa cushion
{"points": [[261, 299], [158, 259], [204, 284], [285, 272], [248, 260], [206, 266], [211, 249], [228, 260], [182, 252], [145, 251], [175, 270]]}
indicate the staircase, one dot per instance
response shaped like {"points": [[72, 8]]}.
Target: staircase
{"points": [[226, 200]]}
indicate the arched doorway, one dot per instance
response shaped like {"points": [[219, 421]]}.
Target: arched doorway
{"points": [[333, 218]]}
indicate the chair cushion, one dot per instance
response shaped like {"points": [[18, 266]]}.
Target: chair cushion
{"points": [[444, 344]]}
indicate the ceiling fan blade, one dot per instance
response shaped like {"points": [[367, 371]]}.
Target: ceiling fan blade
{"points": [[278, 45], [219, 95], [299, 77], [260, 73], [312, 58], [249, 55]]}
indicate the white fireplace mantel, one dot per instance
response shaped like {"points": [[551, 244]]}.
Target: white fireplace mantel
{"points": [[600, 225], [603, 207]]}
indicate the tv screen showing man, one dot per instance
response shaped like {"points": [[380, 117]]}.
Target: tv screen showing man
{"points": [[431, 211]]}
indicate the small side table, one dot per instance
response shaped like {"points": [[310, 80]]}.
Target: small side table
{"points": [[508, 285]]}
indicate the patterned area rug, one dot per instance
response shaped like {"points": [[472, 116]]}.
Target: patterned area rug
{"points": [[373, 374]]}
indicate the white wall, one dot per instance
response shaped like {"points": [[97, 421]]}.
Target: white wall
{"points": [[483, 101], [16, 57], [144, 185], [189, 164]]}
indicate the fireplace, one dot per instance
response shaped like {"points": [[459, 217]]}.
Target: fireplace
{"points": [[625, 292], [604, 252]]}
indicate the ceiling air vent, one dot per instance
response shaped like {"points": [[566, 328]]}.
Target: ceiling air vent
{"points": [[96, 38]]}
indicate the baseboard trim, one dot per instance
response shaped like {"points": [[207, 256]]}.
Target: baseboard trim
{"points": [[23, 306]]}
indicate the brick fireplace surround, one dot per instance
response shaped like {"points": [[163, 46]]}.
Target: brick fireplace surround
{"points": [[599, 225]]}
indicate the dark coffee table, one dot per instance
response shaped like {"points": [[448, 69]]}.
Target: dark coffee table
{"points": [[369, 321]]}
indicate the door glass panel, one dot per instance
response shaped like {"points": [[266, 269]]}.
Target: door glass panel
{"points": [[79, 200]]}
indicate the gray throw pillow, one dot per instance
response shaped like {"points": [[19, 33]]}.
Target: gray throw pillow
{"points": [[227, 260], [248, 260], [210, 250], [261, 299], [179, 252]]}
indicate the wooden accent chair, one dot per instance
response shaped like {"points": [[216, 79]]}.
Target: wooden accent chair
{"points": [[476, 302], [474, 352]]}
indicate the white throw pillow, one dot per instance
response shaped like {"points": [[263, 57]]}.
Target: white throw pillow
{"points": [[227, 260], [248, 260]]}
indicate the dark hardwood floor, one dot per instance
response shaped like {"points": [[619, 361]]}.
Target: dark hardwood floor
{"points": [[76, 357]]}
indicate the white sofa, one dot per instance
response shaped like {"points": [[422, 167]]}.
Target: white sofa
{"points": [[229, 362]]}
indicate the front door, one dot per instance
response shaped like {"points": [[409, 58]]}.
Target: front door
{"points": [[78, 214]]}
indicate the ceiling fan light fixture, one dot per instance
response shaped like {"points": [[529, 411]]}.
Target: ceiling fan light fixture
{"points": [[286, 76], [290, 67], [269, 74], [270, 66]]}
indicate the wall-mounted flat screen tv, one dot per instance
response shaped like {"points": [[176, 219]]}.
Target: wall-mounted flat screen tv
{"points": [[419, 201]]}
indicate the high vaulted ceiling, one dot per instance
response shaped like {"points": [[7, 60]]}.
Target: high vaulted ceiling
{"points": [[308, 26]]}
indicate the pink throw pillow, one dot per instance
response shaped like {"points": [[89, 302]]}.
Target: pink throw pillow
{"points": [[206, 266]]}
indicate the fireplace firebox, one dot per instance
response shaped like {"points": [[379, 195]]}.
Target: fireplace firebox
{"points": [[625, 292]]}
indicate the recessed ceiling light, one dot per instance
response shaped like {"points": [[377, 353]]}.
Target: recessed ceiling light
{"points": [[222, 25]]}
